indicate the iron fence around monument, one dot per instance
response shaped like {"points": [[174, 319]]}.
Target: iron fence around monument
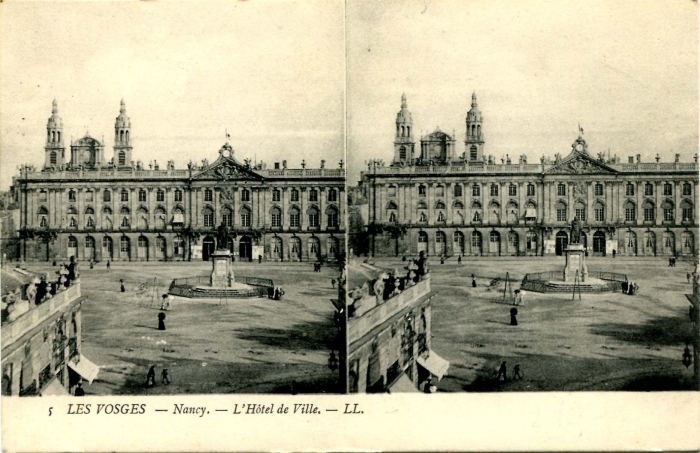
{"points": [[184, 287]]}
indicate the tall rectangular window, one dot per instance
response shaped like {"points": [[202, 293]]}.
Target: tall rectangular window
{"points": [[160, 195], [333, 220], [629, 190], [422, 191], [648, 189], [561, 214], [142, 195], [512, 190], [599, 214], [630, 214], [294, 220], [89, 196], [494, 190], [245, 218], [178, 195], [276, 195], [598, 190], [687, 214], [208, 195], [313, 195], [581, 214], [687, 189], [530, 190], [648, 214], [208, 220], [561, 190], [668, 189], [668, 214], [125, 195], [227, 219], [276, 219], [313, 219], [294, 195], [476, 190]]}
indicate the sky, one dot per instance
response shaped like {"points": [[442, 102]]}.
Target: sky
{"points": [[626, 71], [271, 73]]}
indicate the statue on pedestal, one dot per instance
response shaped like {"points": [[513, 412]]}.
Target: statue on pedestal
{"points": [[576, 231], [222, 237]]}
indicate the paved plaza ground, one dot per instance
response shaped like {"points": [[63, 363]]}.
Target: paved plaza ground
{"points": [[254, 345], [608, 341]]}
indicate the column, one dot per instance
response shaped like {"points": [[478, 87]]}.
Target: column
{"points": [[590, 215], [400, 202], [570, 211], [448, 204], [322, 206], [658, 215], [284, 203], [639, 215], [431, 204]]}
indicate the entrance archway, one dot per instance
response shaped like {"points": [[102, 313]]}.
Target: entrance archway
{"points": [[599, 243], [476, 243], [513, 243], [245, 248], [562, 241], [423, 242], [495, 243], [208, 246], [107, 248]]}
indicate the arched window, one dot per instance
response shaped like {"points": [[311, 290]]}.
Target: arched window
{"points": [[160, 218], [457, 190], [208, 214], [599, 211], [72, 242], [106, 196], [245, 217], [43, 217], [294, 218], [687, 210], [332, 216], [90, 222], [630, 212], [276, 217], [89, 242], [458, 205], [124, 247], [422, 205], [227, 216], [649, 211], [423, 218], [668, 208], [580, 211], [439, 205], [561, 211], [313, 217], [89, 210]]}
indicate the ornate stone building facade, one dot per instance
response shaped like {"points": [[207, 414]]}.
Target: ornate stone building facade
{"points": [[99, 209], [471, 205]]}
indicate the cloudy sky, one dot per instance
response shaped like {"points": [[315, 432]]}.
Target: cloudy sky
{"points": [[627, 71], [271, 72]]}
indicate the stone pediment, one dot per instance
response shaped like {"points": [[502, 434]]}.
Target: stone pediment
{"points": [[578, 163], [227, 168]]}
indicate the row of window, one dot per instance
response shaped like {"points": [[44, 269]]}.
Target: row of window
{"points": [[494, 189], [332, 195]]}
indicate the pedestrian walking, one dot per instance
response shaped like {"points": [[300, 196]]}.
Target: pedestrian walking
{"points": [[459, 259], [442, 260], [687, 276], [513, 314], [502, 371], [516, 299], [151, 376], [165, 376], [614, 253], [123, 288], [333, 282], [517, 374], [161, 321], [109, 265], [92, 264], [473, 281], [259, 259], [80, 391]]}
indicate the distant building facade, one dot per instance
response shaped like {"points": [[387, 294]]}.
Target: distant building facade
{"points": [[96, 208], [467, 204]]}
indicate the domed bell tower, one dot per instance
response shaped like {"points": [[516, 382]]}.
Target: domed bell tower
{"points": [[403, 143], [474, 138], [122, 139], [54, 151]]}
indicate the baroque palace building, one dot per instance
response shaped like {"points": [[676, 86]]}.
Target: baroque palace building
{"points": [[432, 199], [93, 208]]}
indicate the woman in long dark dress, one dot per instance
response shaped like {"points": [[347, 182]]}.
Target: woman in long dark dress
{"points": [[513, 320], [161, 321]]}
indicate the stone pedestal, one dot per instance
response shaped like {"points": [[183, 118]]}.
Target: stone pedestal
{"points": [[575, 261], [222, 270]]}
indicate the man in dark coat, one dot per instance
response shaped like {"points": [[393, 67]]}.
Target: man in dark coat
{"points": [[161, 321], [513, 319], [151, 376], [502, 371], [80, 391]]}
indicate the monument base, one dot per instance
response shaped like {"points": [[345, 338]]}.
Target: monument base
{"points": [[575, 263], [222, 270]]}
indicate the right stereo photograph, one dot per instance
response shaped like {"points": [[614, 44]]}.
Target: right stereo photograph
{"points": [[522, 181]]}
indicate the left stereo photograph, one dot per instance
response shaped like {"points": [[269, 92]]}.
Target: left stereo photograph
{"points": [[173, 199]]}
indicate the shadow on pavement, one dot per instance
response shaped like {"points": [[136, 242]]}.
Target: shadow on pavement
{"points": [[309, 336], [667, 331]]}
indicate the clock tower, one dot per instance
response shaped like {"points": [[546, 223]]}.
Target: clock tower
{"points": [[474, 137], [579, 145], [122, 139], [403, 143], [54, 151]]}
